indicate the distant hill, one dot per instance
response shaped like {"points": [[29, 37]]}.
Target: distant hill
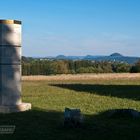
{"points": [[113, 57], [61, 57], [116, 55]]}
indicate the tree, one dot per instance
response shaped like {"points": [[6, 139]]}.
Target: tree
{"points": [[121, 67], [135, 68]]}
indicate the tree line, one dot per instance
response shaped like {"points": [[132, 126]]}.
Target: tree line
{"points": [[31, 66]]}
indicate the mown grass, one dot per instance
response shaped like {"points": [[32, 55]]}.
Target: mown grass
{"points": [[94, 98]]}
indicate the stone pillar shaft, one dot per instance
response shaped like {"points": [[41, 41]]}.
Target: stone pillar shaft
{"points": [[10, 67]]}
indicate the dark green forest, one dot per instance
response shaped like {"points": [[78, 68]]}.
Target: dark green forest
{"points": [[31, 66]]}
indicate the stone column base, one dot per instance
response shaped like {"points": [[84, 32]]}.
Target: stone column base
{"points": [[16, 108]]}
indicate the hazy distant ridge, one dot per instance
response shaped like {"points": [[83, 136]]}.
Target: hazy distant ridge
{"points": [[112, 57]]}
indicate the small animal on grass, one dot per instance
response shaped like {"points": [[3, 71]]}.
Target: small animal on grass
{"points": [[73, 117]]}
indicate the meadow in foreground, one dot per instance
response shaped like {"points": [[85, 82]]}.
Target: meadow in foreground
{"points": [[94, 98]]}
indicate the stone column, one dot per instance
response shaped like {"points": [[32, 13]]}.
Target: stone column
{"points": [[10, 67]]}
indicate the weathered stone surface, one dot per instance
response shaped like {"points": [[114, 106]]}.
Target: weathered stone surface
{"points": [[10, 67], [10, 55], [11, 34], [15, 108], [73, 117], [10, 84]]}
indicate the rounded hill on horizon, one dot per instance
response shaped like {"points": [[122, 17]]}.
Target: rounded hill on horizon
{"points": [[116, 55]]}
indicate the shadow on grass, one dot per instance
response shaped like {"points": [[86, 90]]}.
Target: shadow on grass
{"points": [[41, 124], [120, 91]]}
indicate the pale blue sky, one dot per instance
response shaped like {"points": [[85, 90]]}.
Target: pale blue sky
{"points": [[76, 27]]}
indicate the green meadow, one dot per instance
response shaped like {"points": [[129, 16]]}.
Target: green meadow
{"points": [[94, 97]]}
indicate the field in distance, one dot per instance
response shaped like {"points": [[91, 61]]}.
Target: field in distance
{"points": [[94, 94], [79, 77]]}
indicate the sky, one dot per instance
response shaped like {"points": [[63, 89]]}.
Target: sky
{"points": [[76, 27]]}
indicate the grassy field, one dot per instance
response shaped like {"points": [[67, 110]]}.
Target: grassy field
{"points": [[93, 94]]}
